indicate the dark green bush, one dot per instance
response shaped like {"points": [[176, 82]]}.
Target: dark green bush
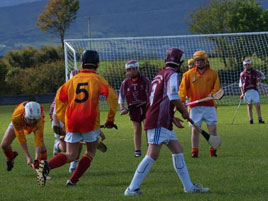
{"points": [[32, 71]]}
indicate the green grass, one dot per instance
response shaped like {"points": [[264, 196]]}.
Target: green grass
{"points": [[239, 172]]}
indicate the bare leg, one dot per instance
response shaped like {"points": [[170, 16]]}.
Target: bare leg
{"points": [[72, 151], [175, 147], [8, 138], [258, 109], [250, 111], [195, 138], [137, 134], [212, 129]]}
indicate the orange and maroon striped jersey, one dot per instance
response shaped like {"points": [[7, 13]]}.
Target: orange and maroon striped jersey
{"points": [[77, 101], [21, 128], [196, 86]]}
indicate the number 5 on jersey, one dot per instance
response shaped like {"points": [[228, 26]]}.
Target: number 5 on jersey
{"points": [[80, 90]]}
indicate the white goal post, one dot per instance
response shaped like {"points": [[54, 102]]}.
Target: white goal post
{"points": [[225, 51]]}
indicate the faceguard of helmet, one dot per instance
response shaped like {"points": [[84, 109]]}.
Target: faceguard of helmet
{"points": [[200, 55], [132, 64], [32, 111], [247, 61], [73, 73], [174, 56], [90, 57], [190, 61]]}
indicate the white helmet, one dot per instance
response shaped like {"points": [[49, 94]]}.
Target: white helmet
{"points": [[132, 64], [247, 61], [32, 110]]}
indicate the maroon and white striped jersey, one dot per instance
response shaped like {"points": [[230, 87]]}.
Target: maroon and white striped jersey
{"points": [[249, 80], [135, 91], [164, 88]]}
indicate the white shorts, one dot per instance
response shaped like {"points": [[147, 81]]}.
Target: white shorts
{"points": [[11, 126], [91, 136], [204, 113], [160, 136], [252, 96]]}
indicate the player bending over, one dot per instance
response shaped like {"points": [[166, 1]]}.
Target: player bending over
{"points": [[27, 117]]}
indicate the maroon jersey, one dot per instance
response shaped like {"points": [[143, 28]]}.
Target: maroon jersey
{"points": [[135, 91], [164, 89], [249, 80]]}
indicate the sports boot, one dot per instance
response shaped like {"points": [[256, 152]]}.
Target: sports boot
{"points": [[10, 163]]}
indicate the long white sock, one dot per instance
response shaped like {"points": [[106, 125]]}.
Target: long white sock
{"points": [[181, 169], [141, 172]]}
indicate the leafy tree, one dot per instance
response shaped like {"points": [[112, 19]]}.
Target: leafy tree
{"points": [[211, 18], [248, 16], [42, 79], [32, 57], [3, 72], [32, 71], [58, 16], [228, 16], [24, 58]]}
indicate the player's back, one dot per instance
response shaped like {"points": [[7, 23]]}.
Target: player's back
{"points": [[83, 92], [159, 108]]}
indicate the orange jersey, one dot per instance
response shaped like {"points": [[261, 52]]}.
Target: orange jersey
{"points": [[196, 86], [21, 128], [77, 101]]}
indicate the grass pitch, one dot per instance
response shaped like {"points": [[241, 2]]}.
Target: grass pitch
{"points": [[239, 172]]}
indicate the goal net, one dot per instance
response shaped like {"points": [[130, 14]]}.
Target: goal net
{"points": [[225, 51]]}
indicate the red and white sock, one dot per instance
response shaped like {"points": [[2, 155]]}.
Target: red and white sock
{"points": [[83, 165]]}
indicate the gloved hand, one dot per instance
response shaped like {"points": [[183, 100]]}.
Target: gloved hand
{"points": [[59, 130], [109, 124], [36, 164]]}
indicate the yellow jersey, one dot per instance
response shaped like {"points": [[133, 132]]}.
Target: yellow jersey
{"points": [[21, 128], [196, 85], [77, 101]]}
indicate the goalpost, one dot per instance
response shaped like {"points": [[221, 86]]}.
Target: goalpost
{"points": [[225, 51]]}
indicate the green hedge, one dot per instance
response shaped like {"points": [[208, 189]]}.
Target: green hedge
{"points": [[32, 71]]}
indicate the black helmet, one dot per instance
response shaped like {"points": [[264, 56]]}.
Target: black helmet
{"points": [[90, 57]]}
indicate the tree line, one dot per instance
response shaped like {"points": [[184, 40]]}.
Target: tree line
{"points": [[33, 71]]}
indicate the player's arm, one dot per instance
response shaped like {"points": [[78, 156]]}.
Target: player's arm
{"points": [[181, 108], [27, 154], [112, 101], [217, 84], [241, 88], [39, 138], [61, 102], [57, 127], [182, 89], [174, 97], [121, 100], [123, 110], [18, 125], [261, 75], [23, 143]]}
